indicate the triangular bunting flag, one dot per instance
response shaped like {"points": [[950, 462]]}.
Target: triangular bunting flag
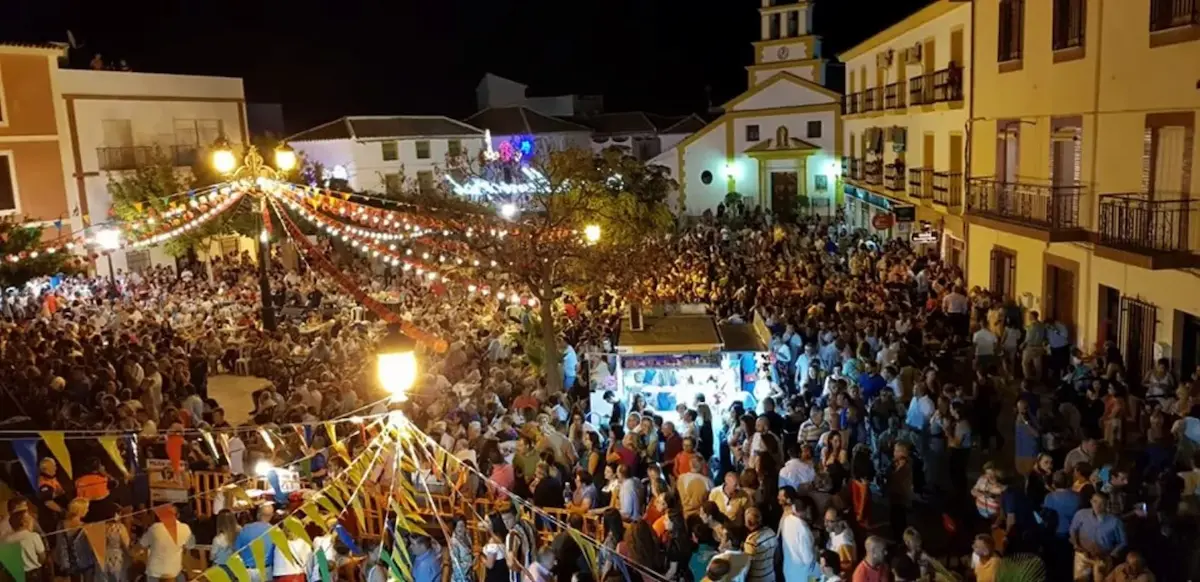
{"points": [[386, 558], [331, 430], [212, 446], [175, 451], [258, 550], [109, 444], [323, 566], [26, 451], [57, 443], [10, 558], [267, 440], [97, 538], [356, 504], [296, 529], [347, 539], [238, 567], [217, 574], [400, 558], [324, 502], [281, 543], [166, 515]]}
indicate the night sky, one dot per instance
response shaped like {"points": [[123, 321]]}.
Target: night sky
{"points": [[324, 59]]}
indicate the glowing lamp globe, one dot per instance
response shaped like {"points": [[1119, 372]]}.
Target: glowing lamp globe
{"points": [[508, 210], [397, 363], [285, 158], [223, 159], [591, 233], [109, 239], [263, 467]]}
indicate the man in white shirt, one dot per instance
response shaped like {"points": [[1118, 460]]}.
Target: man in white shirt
{"points": [[237, 455], [796, 540], [985, 348], [33, 551], [796, 473], [164, 561]]}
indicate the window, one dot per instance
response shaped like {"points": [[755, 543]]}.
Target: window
{"points": [[423, 150], [197, 132], [8, 184], [392, 183], [389, 150], [137, 261], [706, 177], [1012, 30], [425, 179], [1166, 14], [1004, 272], [752, 133], [454, 148], [814, 129], [821, 182], [1069, 20]]}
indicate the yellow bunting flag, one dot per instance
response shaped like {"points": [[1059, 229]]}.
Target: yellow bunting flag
{"points": [[324, 502], [281, 543], [332, 431], [217, 574], [238, 567], [356, 504], [258, 550], [208, 438], [109, 444], [57, 444], [97, 538], [312, 513], [267, 440], [296, 529], [346, 196], [139, 206]]}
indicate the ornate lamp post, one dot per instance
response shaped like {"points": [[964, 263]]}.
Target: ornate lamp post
{"points": [[253, 167]]}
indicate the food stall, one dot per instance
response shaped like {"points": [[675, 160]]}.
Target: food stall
{"points": [[677, 355]]}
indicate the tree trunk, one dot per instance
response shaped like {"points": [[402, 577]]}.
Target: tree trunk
{"points": [[550, 354]]}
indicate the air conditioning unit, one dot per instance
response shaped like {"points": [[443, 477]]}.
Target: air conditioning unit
{"points": [[912, 55], [884, 59]]}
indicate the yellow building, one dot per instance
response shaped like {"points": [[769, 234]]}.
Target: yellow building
{"points": [[1080, 199], [904, 120]]}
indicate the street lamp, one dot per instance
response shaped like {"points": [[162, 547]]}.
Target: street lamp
{"points": [[109, 239], [397, 363], [591, 233], [508, 210], [253, 168]]}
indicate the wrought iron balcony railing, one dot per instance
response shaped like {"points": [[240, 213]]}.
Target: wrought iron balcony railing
{"points": [[947, 188], [1044, 206], [134, 157], [1149, 225]]}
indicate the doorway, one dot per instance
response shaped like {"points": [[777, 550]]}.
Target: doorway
{"points": [[1060, 296], [1004, 273], [1190, 356], [1108, 321], [784, 191], [1139, 321]]}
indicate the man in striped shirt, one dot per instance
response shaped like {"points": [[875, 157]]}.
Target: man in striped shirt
{"points": [[760, 545], [811, 429]]}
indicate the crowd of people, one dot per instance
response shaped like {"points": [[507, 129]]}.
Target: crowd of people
{"points": [[904, 427]]}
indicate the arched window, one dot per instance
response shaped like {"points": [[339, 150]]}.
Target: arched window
{"points": [[781, 137]]}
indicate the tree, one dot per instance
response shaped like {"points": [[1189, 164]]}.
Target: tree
{"points": [[158, 185], [21, 240], [545, 248]]}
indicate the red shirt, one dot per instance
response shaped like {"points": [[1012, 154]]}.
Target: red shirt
{"points": [[672, 446], [866, 573]]}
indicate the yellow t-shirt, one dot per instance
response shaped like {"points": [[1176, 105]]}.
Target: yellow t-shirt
{"points": [[986, 571]]}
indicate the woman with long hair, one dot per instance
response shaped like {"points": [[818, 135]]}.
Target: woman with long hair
{"points": [[612, 531], [642, 550], [222, 543], [678, 547], [960, 439], [73, 556], [495, 565], [462, 559]]}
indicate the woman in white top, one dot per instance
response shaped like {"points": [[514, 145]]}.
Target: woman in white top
{"points": [[222, 543]]}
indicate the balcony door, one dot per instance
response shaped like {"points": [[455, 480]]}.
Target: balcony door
{"points": [[1004, 273], [1008, 151], [118, 133]]}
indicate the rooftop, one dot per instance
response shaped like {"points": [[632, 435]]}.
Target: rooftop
{"points": [[639, 122], [671, 333], [388, 127], [518, 120]]}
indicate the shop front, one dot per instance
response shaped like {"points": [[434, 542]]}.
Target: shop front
{"points": [[879, 215]]}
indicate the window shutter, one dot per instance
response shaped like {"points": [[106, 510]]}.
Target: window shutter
{"points": [[1147, 157]]}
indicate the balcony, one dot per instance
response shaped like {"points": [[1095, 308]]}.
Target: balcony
{"points": [[919, 181], [893, 177], [873, 172], [1150, 233], [947, 189], [944, 86], [872, 100], [850, 103], [134, 157], [1042, 211], [893, 95], [852, 168]]}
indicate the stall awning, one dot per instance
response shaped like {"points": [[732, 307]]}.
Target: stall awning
{"points": [[741, 337], [670, 334]]}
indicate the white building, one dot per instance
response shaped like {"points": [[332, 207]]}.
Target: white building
{"points": [[519, 124], [777, 145], [904, 119], [379, 153], [641, 135], [117, 119]]}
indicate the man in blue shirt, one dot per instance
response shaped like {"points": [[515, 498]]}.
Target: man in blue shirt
{"points": [[1098, 537], [871, 382], [1063, 502], [257, 531], [427, 564]]}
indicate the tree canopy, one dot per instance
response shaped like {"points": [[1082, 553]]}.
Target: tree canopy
{"points": [[16, 239]]}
